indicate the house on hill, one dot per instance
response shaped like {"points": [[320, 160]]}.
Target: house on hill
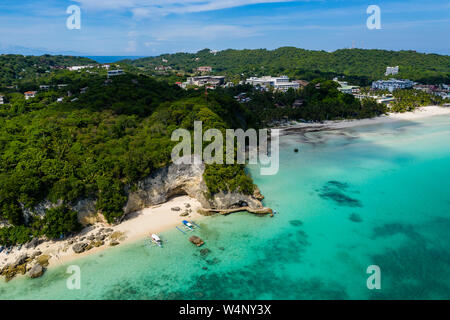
{"points": [[30, 94], [204, 69]]}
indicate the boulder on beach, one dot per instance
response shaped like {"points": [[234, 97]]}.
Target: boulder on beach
{"points": [[197, 241], [21, 260], [79, 247], [175, 209], [36, 271], [100, 237], [98, 243], [33, 243], [43, 260], [35, 254]]}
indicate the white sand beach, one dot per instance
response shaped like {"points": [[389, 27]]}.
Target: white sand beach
{"points": [[137, 225], [428, 111]]}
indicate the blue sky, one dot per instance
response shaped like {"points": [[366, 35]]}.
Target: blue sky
{"points": [[151, 27]]}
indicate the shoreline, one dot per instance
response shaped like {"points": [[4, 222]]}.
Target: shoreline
{"points": [[135, 227], [159, 218], [419, 113]]}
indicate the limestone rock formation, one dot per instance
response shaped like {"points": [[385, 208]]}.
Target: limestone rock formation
{"points": [[36, 271], [159, 187]]}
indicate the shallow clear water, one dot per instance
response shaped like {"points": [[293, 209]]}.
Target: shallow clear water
{"points": [[372, 195]]}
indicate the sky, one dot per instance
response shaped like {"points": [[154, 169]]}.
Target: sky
{"points": [[153, 27]]}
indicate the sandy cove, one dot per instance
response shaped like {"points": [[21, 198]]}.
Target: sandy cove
{"points": [[422, 112], [136, 226]]}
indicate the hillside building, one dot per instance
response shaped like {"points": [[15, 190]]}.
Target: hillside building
{"points": [[204, 69], [391, 71], [113, 73], [30, 94], [200, 81], [281, 83]]}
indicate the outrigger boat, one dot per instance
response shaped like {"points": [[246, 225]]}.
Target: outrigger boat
{"points": [[188, 224], [156, 240]]}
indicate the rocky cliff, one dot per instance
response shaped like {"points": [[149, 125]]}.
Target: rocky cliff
{"points": [[161, 186]]}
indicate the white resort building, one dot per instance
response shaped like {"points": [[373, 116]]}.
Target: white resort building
{"points": [[392, 84], [281, 83], [78, 68], [204, 80], [391, 71]]}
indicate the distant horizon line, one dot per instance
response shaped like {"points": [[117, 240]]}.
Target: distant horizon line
{"points": [[137, 56]]}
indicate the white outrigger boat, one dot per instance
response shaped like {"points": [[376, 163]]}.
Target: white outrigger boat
{"points": [[156, 240], [188, 224]]}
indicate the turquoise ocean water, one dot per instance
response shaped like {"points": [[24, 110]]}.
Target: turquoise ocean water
{"points": [[372, 195]]}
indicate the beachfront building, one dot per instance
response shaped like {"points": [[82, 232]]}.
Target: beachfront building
{"points": [[212, 81], [113, 73], [30, 94], [392, 84], [426, 88], [386, 99], [281, 83], [204, 69], [344, 87], [391, 71]]}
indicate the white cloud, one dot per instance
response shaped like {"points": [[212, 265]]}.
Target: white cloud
{"points": [[199, 32], [147, 8]]}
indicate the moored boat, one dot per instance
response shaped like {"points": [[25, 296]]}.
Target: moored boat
{"points": [[188, 224], [156, 240]]}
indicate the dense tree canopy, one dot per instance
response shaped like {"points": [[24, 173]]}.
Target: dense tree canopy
{"points": [[358, 65], [15, 69]]}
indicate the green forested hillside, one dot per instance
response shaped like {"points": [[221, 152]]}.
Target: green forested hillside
{"points": [[363, 65], [111, 136], [14, 68]]}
